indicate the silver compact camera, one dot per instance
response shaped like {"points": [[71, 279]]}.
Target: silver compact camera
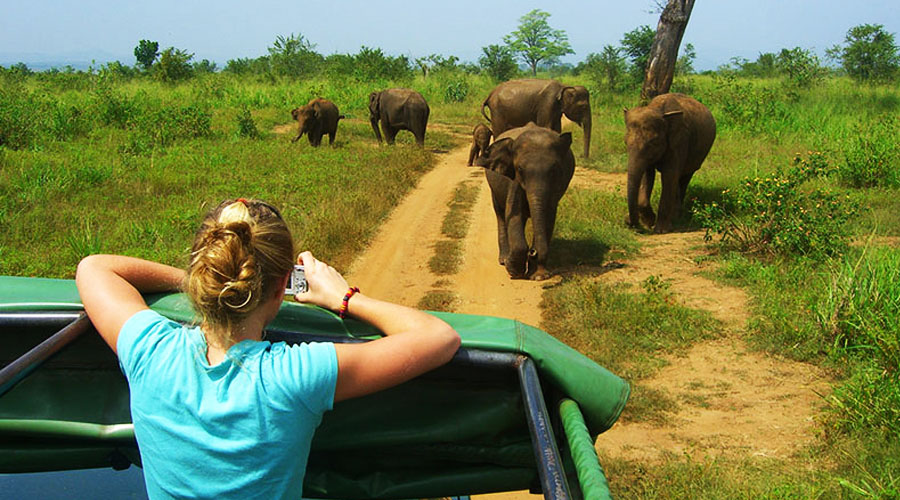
{"points": [[297, 282]]}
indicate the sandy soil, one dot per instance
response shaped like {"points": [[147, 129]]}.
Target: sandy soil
{"points": [[731, 401]]}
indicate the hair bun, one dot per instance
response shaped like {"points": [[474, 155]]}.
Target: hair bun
{"points": [[236, 295]]}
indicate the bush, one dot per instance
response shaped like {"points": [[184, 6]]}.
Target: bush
{"points": [[173, 65], [19, 110], [774, 215], [743, 105], [456, 91], [245, 124], [872, 155], [163, 126]]}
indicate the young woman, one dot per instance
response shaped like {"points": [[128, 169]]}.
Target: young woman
{"points": [[219, 412]]}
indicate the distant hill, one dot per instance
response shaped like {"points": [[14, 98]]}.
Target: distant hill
{"points": [[80, 60]]}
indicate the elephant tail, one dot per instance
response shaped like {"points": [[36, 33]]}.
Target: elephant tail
{"points": [[485, 105], [341, 117]]}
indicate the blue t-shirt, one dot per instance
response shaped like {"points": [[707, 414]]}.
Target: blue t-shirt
{"points": [[240, 429]]}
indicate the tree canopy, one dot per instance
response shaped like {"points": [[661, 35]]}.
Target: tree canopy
{"points": [[145, 52], [868, 54], [536, 42]]}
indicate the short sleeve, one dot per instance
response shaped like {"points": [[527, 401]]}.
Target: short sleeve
{"points": [[139, 337], [309, 372]]}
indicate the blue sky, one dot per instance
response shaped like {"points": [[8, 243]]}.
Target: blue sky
{"points": [[78, 31]]}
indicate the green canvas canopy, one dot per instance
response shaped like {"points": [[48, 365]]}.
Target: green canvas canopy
{"points": [[488, 421]]}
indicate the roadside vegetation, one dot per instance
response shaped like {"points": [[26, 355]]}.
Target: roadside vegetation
{"points": [[799, 198]]}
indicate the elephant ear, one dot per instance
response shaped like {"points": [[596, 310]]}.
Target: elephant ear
{"points": [[317, 110], [498, 157], [295, 112], [374, 103]]}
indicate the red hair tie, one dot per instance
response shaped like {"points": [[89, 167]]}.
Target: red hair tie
{"points": [[244, 201]]}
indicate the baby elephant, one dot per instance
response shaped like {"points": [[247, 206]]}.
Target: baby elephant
{"points": [[528, 170], [317, 118], [481, 139], [672, 134]]}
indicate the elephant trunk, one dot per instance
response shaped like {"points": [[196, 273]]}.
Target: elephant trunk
{"points": [[543, 220], [516, 215], [635, 175], [374, 121], [586, 125]]}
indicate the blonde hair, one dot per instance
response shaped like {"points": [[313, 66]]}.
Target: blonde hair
{"points": [[240, 253]]}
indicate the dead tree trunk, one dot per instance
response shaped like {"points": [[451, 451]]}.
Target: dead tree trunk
{"points": [[664, 52]]}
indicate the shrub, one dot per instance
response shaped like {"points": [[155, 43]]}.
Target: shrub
{"points": [[746, 106], [776, 215], [173, 65], [456, 91], [163, 126], [871, 154], [801, 67], [19, 110], [245, 124]]}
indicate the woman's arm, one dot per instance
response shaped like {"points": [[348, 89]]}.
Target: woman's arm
{"points": [[414, 343], [110, 287]]}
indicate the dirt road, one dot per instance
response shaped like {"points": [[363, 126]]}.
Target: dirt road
{"points": [[731, 401]]}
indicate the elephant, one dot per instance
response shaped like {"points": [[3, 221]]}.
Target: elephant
{"points": [[317, 118], [398, 109], [528, 170], [517, 102], [673, 134], [481, 139]]}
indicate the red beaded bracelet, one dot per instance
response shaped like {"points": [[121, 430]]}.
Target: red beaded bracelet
{"points": [[343, 311]]}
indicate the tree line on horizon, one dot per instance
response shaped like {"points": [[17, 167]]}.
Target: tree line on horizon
{"points": [[868, 54]]}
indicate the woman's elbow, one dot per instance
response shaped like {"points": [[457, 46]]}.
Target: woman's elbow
{"points": [[452, 340]]}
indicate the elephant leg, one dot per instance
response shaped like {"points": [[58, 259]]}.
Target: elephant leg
{"points": [[645, 211], [331, 136], [499, 187], [682, 189], [390, 133], [420, 136], [667, 201], [374, 123]]}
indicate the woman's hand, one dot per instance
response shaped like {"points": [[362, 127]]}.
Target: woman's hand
{"points": [[326, 286]]}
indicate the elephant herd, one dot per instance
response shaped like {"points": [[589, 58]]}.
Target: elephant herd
{"points": [[529, 164], [396, 109]]}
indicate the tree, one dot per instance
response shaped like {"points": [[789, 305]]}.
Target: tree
{"points": [[800, 65], [608, 65], [536, 42], [869, 54], [498, 62], [174, 65], [204, 66], [436, 62], [636, 44], [663, 54], [685, 63], [293, 56], [145, 52]]}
